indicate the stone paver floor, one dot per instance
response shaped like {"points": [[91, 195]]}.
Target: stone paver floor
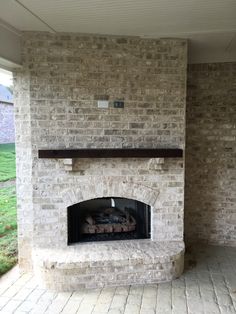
{"points": [[208, 286]]}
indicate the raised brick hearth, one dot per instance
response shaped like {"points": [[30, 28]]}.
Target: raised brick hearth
{"points": [[115, 263]]}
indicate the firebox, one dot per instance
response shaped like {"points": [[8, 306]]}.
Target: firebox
{"points": [[108, 219]]}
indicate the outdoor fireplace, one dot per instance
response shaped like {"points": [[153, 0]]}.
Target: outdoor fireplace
{"points": [[87, 174], [107, 219], [131, 238]]}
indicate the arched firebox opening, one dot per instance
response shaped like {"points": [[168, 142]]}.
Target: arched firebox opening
{"points": [[108, 219]]}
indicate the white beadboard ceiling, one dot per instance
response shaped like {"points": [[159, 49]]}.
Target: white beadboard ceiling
{"points": [[210, 25]]}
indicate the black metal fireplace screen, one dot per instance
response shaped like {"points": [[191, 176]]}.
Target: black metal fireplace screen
{"points": [[108, 219]]}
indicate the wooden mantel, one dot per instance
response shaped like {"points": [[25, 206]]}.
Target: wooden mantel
{"points": [[111, 153]]}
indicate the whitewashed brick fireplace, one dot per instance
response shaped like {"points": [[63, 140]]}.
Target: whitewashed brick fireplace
{"points": [[56, 92]]}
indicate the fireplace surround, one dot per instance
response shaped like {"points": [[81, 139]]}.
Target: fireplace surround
{"points": [[56, 93], [94, 264]]}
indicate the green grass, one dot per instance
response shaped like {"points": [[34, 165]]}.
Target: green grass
{"points": [[8, 227], [7, 162]]}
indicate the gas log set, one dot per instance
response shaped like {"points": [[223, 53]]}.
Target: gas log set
{"points": [[109, 220]]}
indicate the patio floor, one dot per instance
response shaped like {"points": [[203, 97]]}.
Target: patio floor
{"points": [[207, 286]]}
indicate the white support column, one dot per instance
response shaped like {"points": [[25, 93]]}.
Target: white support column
{"points": [[10, 46]]}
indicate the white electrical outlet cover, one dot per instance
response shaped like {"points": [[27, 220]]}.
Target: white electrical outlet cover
{"points": [[103, 103]]}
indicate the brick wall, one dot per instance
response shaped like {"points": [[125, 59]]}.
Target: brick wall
{"points": [[210, 213], [63, 76], [7, 128], [70, 73], [24, 160]]}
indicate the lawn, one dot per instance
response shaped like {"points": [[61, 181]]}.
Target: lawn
{"points": [[8, 227], [7, 162]]}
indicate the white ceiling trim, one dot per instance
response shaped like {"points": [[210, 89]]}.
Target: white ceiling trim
{"points": [[10, 28]]}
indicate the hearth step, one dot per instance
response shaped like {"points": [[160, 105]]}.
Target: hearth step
{"points": [[100, 264]]}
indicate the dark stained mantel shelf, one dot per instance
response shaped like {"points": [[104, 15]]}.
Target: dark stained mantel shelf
{"points": [[111, 153]]}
